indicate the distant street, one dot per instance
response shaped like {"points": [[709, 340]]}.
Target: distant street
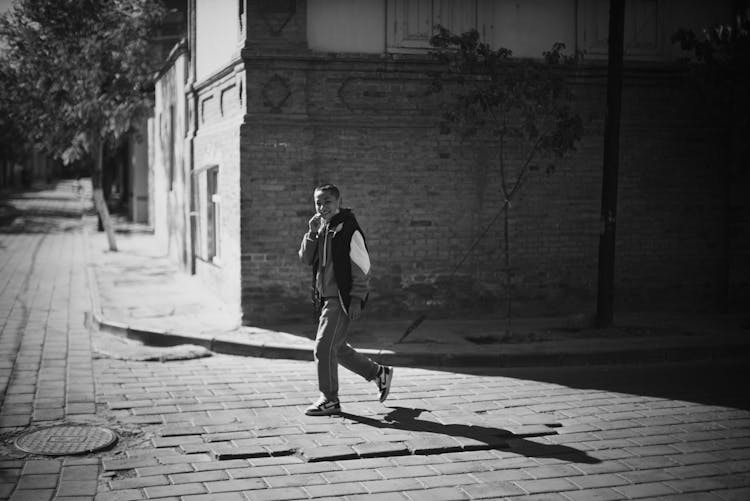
{"points": [[232, 428]]}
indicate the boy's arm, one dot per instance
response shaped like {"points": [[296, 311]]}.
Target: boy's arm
{"points": [[360, 267], [308, 247]]}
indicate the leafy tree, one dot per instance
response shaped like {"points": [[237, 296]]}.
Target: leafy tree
{"points": [[13, 143], [82, 68], [521, 107], [721, 68]]}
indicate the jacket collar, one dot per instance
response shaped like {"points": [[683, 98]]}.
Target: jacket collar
{"points": [[343, 216]]}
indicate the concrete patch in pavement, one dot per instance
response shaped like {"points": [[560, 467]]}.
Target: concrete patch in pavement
{"points": [[120, 348]]}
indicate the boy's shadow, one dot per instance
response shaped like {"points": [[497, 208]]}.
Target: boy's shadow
{"points": [[402, 418]]}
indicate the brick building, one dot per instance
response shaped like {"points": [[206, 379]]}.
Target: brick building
{"points": [[269, 98]]}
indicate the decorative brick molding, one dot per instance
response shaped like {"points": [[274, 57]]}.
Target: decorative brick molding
{"points": [[277, 14], [276, 91]]}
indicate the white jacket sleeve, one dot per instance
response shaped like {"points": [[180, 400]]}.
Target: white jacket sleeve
{"points": [[360, 266]]}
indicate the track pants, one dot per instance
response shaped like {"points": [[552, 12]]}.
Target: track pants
{"points": [[331, 349]]}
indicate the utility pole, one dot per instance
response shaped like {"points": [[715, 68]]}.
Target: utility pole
{"points": [[606, 286]]}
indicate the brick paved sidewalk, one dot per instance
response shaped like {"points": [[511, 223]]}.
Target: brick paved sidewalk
{"points": [[46, 366]]}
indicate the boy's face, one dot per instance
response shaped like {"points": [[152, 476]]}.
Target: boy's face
{"points": [[326, 204]]}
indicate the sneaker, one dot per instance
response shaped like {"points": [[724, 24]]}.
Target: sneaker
{"points": [[324, 407], [383, 380]]}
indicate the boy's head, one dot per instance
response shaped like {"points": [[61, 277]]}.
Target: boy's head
{"points": [[327, 201]]}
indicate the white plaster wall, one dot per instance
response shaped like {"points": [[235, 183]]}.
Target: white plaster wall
{"points": [[217, 35], [346, 25], [139, 174], [530, 27]]}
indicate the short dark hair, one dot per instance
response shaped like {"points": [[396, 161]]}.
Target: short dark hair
{"points": [[330, 188]]}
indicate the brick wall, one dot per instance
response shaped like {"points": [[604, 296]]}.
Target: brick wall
{"points": [[422, 198]]}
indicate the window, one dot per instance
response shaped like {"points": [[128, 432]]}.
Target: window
{"points": [[171, 146], [213, 206], [643, 28], [412, 22], [207, 215]]}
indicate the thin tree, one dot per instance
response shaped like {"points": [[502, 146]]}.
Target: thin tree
{"points": [[513, 105], [83, 68], [720, 66]]}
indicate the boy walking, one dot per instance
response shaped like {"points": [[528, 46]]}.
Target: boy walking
{"points": [[335, 248]]}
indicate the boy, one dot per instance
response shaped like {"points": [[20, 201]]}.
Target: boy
{"points": [[335, 247]]}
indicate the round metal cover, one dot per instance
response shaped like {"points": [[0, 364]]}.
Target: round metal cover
{"points": [[66, 439]]}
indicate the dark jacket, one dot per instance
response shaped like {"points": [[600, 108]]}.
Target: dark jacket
{"points": [[339, 245]]}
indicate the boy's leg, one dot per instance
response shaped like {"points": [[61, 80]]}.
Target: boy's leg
{"points": [[357, 362], [332, 328]]}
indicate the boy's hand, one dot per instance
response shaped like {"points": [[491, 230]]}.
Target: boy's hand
{"points": [[314, 223], [355, 310]]}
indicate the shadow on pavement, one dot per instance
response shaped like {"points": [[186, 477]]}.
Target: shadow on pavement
{"points": [[403, 418], [709, 382]]}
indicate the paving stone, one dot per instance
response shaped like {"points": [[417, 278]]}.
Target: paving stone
{"points": [[80, 461], [400, 484], [33, 495], [335, 477], [80, 472], [329, 453], [224, 496], [389, 496], [298, 480], [340, 489], [6, 489], [455, 479], [77, 488], [546, 485], [203, 476], [221, 465], [406, 471], [176, 431], [138, 482], [47, 481], [437, 494], [128, 464], [493, 490], [197, 448], [235, 485], [277, 494], [14, 421], [295, 469], [603, 494], [433, 445], [174, 441], [40, 466], [645, 490], [175, 490], [380, 449], [187, 458]]}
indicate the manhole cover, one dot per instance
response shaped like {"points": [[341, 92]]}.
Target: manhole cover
{"points": [[66, 439]]}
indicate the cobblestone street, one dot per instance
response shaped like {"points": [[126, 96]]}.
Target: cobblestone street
{"points": [[228, 427]]}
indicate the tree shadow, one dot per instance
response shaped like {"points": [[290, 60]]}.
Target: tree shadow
{"points": [[402, 418]]}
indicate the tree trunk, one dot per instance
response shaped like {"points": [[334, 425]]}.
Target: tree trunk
{"points": [[508, 278], [99, 202], [605, 298]]}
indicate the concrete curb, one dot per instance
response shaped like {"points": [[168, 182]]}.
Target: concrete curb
{"points": [[736, 349], [431, 359]]}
